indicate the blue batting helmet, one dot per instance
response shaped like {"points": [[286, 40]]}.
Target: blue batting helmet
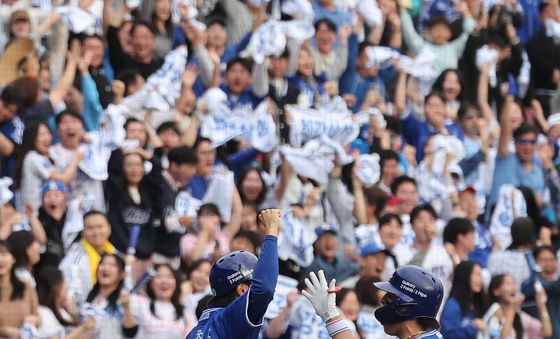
{"points": [[417, 294], [231, 270]]}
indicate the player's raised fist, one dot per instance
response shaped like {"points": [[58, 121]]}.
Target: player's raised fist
{"points": [[271, 220]]}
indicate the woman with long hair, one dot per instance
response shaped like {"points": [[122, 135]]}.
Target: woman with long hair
{"points": [[162, 314], [131, 198], [27, 252], [252, 187], [55, 309], [107, 303], [162, 26], [463, 311], [34, 167], [450, 83], [18, 300], [507, 320]]}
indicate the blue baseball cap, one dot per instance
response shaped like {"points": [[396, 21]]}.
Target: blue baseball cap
{"points": [[372, 248], [52, 185], [321, 229]]}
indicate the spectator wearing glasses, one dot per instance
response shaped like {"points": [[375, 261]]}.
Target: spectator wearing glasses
{"points": [[517, 168]]}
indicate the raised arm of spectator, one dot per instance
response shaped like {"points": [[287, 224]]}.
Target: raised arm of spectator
{"points": [[278, 326], [57, 95], [400, 93], [468, 27], [92, 106], [506, 129], [359, 201], [113, 17], [236, 210], [341, 53], [46, 25], [260, 79], [36, 226], [200, 52], [6, 146], [286, 172], [483, 94], [343, 212], [411, 37]]}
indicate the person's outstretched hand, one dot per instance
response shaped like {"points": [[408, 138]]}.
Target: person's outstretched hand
{"points": [[318, 294]]}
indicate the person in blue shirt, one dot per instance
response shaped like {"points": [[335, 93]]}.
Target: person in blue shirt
{"points": [[462, 313], [245, 84], [519, 168], [416, 132], [242, 287], [11, 128], [410, 305]]}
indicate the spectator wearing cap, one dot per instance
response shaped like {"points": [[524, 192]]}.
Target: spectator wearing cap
{"points": [[484, 244], [546, 258], [372, 264], [19, 25], [82, 259], [328, 258], [519, 168], [52, 215], [516, 260]]}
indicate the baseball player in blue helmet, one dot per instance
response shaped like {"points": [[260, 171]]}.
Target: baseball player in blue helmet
{"points": [[242, 287], [410, 305]]}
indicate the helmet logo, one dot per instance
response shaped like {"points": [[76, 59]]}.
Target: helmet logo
{"points": [[410, 287], [243, 273]]}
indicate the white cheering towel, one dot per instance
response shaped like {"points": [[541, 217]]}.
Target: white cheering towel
{"points": [[295, 240], [367, 169], [381, 57], [222, 124], [5, 194], [165, 83], [488, 56], [96, 158], [220, 193], [510, 205]]}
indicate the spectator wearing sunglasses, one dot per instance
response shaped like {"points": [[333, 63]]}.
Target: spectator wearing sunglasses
{"points": [[518, 168]]}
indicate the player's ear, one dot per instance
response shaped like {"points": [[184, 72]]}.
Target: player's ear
{"points": [[241, 289]]}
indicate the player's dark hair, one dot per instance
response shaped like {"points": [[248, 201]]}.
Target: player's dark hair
{"points": [[222, 301]]}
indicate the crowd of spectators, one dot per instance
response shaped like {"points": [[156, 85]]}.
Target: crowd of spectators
{"points": [[140, 139]]}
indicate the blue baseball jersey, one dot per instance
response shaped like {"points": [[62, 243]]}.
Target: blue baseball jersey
{"points": [[229, 322], [243, 317], [432, 334]]}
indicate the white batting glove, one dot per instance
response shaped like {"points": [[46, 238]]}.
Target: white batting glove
{"points": [[317, 293]]}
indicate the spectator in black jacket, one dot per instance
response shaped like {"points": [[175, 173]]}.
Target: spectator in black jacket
{"points": [[544, 54]]}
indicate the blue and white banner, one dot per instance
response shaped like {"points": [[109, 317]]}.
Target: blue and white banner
{"points": [[315, 160], [166, 81], [220, 193], [510, 205], [488, 56], [332, 120], [271, 38], [295, 240], [367, 169], [96, 158], [222, 124], [186, 205]]}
